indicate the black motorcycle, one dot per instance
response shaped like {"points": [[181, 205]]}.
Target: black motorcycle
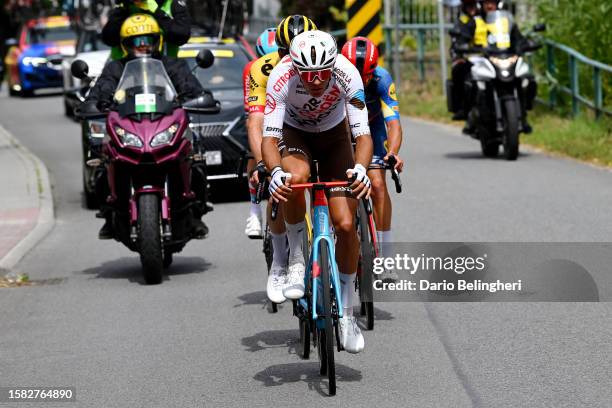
{"points": [[500, 89]]}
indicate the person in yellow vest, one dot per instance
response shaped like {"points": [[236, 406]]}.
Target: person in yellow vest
{"points": [[171, 15], [472, 31]]}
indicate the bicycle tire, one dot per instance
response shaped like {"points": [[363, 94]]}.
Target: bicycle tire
{"points": [[366, 264], [326, 336], [304, 350]]}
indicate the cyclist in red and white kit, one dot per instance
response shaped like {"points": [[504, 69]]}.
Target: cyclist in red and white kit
{"points": [[310, 95]]}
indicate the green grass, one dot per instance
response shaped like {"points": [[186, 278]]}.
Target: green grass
{"points": [[582, 138]]}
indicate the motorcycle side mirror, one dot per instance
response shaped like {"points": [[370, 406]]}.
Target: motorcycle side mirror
{"points": [[538, 28], [205, 58], [11, 42], [204, 103], [79, 69]]}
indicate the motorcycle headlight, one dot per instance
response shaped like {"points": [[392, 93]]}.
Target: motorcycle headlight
{"points": [[127, 138], [503, 63], [165, 137], [34, 61], [97, 129]]}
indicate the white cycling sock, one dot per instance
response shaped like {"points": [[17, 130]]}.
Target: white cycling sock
{"points": [[279, 244], [294, 235], [347, 290], [387, 248], [379, 238]]}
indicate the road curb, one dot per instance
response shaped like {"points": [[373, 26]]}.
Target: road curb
{"points": [[46, 218]]}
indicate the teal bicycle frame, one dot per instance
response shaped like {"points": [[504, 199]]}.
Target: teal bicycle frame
{"points": [[321, 233]]}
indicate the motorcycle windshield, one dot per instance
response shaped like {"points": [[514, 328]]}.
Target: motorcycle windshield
{"points": [[499, 26], [145, 88]]}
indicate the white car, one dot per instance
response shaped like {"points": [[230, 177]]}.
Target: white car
{"points": [[95, 53]]}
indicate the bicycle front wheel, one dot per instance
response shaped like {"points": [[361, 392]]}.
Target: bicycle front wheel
{"points": [[326, 335]]}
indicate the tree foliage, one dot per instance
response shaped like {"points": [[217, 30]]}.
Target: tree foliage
{"points": [[585, 25]]}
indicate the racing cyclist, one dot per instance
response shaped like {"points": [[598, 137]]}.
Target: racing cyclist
{"points": [[311, 93], [286, 30], [386, 129], [265, 45]]}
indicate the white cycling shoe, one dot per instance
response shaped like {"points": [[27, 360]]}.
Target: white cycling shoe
{"points": [[350, 334], [253, 227], [294, 288], [276, 283]]}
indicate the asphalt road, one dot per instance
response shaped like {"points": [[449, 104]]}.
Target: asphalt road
{"points": [[204, 338]]}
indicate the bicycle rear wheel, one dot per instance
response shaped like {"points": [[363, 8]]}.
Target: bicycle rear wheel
{"points": [[326, 338], [366, 264]]}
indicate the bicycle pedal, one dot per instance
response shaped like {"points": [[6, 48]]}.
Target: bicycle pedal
{"points": [[255, 236]]}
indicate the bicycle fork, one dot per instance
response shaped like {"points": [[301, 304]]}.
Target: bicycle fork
{"points": [[322, 232]]}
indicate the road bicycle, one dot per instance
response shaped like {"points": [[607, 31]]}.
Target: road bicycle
{"points": [[366, 230], [321, 307]]}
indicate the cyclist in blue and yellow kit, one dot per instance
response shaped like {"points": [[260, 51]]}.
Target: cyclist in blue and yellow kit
{"points": [[385, 128]]}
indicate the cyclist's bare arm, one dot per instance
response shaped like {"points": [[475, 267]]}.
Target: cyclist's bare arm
{"points": [[364, 148], [255, 131], [394, 140]]}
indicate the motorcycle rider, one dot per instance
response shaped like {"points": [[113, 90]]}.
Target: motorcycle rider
{"points": [[472, 31], [141, 37], [171, 15]]}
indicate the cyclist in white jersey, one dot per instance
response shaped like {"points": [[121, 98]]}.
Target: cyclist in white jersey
{"points": [[310, 95]]}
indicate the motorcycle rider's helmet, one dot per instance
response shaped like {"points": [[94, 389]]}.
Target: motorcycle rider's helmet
{"points": [[266, 42], [290, 27], [470, 7], [141, 36], [313, 54], [489, 5], [363, 54]]}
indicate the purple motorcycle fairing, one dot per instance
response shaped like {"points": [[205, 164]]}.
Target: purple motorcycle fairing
{"points": [[156, 159], [146, 130]]}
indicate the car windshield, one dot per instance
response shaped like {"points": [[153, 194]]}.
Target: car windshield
{"points": [[225, 73], [37, 35], [91, 41], [499, 26], [145, 88]]}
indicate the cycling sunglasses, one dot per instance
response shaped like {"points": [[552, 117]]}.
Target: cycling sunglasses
{"points": [[322, 74], [142, 41]]}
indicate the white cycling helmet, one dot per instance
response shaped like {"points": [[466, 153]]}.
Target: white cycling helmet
{"points": [[313, 51]]}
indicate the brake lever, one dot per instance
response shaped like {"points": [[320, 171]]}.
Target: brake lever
{"points": [[391, 162]]}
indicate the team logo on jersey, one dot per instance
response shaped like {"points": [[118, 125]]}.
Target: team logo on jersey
{"points": [[392, 93], [282, 81], [267, 67], [270, 104]]}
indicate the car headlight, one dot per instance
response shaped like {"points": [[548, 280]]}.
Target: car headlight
{"points": [[128, 139], [97, 129], [503, 63], [34, 61], [165, 137]]}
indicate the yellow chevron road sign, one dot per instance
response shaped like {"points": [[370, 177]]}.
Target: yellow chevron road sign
{"points": [[364, 20]]}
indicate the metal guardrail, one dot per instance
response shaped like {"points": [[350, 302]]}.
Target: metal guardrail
{"points": [[574, 57]]}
